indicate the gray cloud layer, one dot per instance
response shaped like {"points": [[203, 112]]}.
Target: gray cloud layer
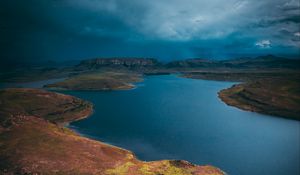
{"points": [[66, 29]]}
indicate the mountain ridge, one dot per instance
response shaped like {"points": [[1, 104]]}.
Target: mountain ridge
{"points": [[267, 61]]}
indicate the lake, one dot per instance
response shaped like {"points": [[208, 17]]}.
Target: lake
{"points": [[167, 117]]}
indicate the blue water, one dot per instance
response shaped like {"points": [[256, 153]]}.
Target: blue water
{"points": [[168, 117]]}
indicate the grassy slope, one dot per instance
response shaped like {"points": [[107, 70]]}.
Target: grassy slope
{"points": [[279, 97], [31, 142], [273, 93], [30, 74], [99, 81], [54, 107], [241, 75]]}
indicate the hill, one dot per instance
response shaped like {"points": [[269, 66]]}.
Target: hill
{"points": [[268, 62]]}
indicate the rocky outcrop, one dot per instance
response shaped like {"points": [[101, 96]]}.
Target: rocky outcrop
{"points": [[117, 62], [193, 63], [269, 62]]}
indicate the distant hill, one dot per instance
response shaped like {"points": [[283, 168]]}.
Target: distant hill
{"points": [[266, 62], [261, 62], [131, 63], [193, 63]]}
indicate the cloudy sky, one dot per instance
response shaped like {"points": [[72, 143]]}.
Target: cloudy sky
{"points": [[165, 29]]}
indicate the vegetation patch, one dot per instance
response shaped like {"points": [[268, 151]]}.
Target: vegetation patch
{"points": [[279, 97], [99, 81], [34, 141]]}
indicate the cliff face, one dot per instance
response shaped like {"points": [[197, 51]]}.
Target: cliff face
{"points": [[118, 62], [269, 62], [193, 63], [150, 64]]}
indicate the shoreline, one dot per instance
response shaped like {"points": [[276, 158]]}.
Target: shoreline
{"points": [[132, 86], [132, 153], [245, 97], [272, 94], [47, 141], [129, 86], [66, 124]]}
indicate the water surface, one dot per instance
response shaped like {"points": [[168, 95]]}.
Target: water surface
{"points": [[168, 117]]}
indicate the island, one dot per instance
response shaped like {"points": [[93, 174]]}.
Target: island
{"points": [[34, 139]]}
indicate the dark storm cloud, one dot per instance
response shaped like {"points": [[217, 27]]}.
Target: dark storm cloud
{"points": [[295, 19], [72, 29]]}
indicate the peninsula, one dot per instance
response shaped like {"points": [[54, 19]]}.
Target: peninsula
{"points": [[270, 82], [34, 138], [34, 141]]}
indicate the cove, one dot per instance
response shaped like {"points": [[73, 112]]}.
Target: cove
{"points": [[167, 117]]}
